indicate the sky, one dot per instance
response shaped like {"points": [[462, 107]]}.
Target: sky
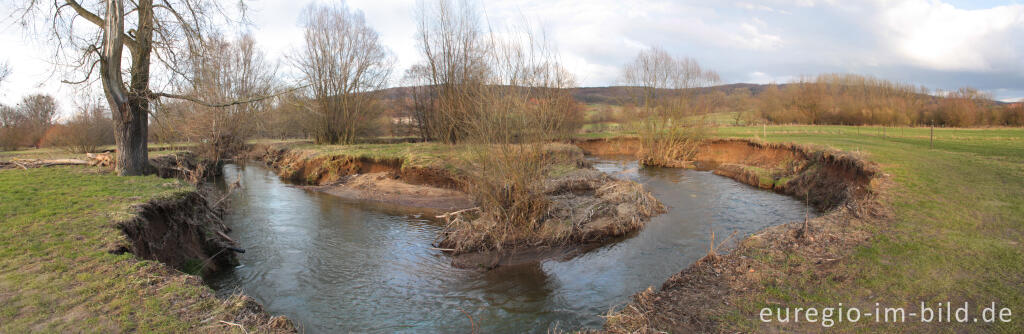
{"points": [[939, 44]]}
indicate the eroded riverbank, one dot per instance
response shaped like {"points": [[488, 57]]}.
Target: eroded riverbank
{"points": [[849, 188], [87, 250]]}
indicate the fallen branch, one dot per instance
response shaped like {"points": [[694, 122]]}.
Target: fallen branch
{"points": [[234, 324], [231, 189], [726, 239], [455, 213], [36, 163], [226, 237]]}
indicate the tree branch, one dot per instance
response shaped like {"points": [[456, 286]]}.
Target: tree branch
{"points": [[224, 104], [98, 21], [88, 74]]}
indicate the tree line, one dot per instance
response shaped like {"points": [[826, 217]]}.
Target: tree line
{"points": [[33, 122], [849, 99]]}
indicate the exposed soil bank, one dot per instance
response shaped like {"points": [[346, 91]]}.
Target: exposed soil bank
{"points": [[384, 180], [383, 187], [610, 146], [187, 233], [848, 187], [826, 178], [311, 168]]}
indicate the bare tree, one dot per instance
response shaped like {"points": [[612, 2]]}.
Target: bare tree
{"points": [[455, 54], [39, 112], [346, 67], [27, 123], [87, 130], [963, 107], [663, 88], [419, 101], [165, 33], [290, 116], [12, 129], [518, 102], [230, 70]]}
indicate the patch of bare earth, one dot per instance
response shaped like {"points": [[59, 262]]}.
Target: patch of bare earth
{"points": [[384, 187]]}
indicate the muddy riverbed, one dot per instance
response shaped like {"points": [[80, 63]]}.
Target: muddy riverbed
{"points": [[335, 265]]}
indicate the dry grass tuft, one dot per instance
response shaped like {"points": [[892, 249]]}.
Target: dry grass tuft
{"points": [[583, 205]]}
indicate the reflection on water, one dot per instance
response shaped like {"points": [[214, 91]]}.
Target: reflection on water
{"points": [[332, 265]]}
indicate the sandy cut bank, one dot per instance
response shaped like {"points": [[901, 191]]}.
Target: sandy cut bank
{"points": [[850, 189], [384, 187], [366, 179]]}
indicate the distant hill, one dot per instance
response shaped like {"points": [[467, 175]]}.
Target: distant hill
{"points": [[614, 95], [617, 95]]}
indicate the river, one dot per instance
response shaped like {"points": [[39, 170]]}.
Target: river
{"points": [[334, 265]]}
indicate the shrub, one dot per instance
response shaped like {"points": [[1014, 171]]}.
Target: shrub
{"points": [[12, 133], [87, 131]]}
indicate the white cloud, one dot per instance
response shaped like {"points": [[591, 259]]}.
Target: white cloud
{"points": [[759, 77], [939, 36], [760, 7]]}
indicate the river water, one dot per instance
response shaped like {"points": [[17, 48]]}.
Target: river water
{"points": [[333, 265]]}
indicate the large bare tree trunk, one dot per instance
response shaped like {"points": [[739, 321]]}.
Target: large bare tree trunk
{"points": [[130, 111], [131, 139]]}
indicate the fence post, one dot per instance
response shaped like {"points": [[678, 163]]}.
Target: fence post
{"points": [[931, 137]]}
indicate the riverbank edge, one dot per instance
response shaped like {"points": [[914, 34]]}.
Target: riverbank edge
{"points": [[848, 188], [187, 234], [433, 190]]}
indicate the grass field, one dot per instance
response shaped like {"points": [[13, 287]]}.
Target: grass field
{"points": [[56, 274], [426, 154], [413, 154], [957, 233], [155, 150]]}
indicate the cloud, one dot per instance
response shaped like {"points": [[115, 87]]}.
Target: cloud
{"points": [[940, 36], [759, 77], [760, 7]]}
